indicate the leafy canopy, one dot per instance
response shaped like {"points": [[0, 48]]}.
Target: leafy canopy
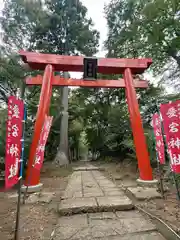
{"points": [[145, 28]]}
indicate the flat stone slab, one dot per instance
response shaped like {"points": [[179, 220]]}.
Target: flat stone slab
{"points": [[93, 194], [102, 215], [86, 168], [142, 193], [131, 225], [114, 193], [77, 205], [137, 236], [129, 214], [90, 204], [105, 226], [109, 203], [68, 194]]}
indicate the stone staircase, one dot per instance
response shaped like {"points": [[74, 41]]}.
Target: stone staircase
{"points": [[93, 207]]}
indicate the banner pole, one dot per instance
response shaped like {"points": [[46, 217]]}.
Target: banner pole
{"points": [[17, 230], [161, 180], [160, 173], [26, 190], [158, 163], [176, 185], [29, 180]]}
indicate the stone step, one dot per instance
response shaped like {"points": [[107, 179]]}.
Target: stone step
{"points": [[99, 204], [143, 193], [87, 168]]}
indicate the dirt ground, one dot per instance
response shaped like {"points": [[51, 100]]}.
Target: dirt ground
{"points": [[167, 209], [37, 220]]}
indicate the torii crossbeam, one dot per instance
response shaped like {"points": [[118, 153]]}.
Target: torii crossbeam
{"points": [[127, 67], [99, 83]]}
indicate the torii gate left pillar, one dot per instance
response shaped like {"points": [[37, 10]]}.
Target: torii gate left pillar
{"points": [[127, 67]]}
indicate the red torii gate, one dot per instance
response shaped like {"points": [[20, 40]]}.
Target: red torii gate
{"points": [[127, 67]]}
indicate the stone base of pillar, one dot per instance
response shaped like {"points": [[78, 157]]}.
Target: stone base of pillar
{"points": [[32, 189], [143, 183]]}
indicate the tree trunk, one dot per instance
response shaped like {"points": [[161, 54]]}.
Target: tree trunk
{"points": [[173, 54], [62, 153], [177, 60]]}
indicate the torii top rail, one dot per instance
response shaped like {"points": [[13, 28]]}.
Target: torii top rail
{"points": [[75, 63], [127, 67]]}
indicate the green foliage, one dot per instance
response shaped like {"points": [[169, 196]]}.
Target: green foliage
{"points": [[19, 21], [52, 26], [106, 119], [145, 28], [151, 144], [3, 116], [11, 73], [48, 26], [66, 28]]}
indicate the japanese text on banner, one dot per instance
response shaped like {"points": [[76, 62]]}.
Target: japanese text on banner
{"points": [[171, 122], [42, 142], [159, 138], [13, 140]]}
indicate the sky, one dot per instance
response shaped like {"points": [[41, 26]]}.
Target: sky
{"points": [[1, 4], [95, 11]]}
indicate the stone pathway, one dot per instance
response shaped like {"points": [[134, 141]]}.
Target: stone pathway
{"points": [[130, 225], [99, 210], [90, 191]]}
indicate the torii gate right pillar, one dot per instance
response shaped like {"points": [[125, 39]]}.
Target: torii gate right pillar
{"points": [[145, 169]]}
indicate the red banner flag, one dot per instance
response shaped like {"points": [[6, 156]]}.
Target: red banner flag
{"points": [[42, 142], [171, 122], [13, 140], [159, 138]]}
